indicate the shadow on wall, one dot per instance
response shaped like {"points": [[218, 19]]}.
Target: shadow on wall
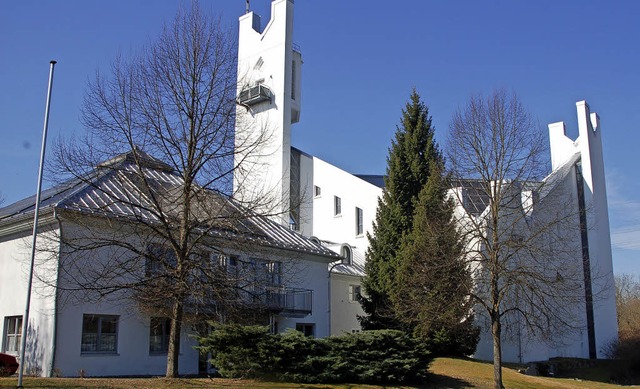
{"points": [[35, 353]]}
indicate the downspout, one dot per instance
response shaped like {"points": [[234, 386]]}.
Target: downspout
{"points": [[329, 294], [54, 336]]}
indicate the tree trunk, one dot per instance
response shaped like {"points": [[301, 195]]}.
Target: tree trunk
{"points": [[496, 330], [174, 340]]}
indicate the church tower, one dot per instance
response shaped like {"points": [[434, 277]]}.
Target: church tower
{"points": [[268, 99]]}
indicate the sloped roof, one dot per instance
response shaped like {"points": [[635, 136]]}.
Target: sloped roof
{"points": [[114, 190]]}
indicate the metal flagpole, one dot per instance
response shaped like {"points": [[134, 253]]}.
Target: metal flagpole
{"points": [[25, 318]]}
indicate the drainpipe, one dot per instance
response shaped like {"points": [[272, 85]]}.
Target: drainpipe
{"points": [[54, 337], [329, 293]]}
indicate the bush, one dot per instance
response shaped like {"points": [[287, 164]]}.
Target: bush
{"points": [[239, 351], [460, 341], [381, 356], [626, 350]]}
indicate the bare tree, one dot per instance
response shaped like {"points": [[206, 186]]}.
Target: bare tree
{"points": [[521, 228], [158, 221], [628, 306]]}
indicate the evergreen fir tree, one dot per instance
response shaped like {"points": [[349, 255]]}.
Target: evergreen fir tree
{"points": [[433, 281], [411, 156]]}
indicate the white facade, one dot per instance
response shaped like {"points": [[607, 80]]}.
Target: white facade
{"points": [[71, 335], [578, 171], [308, 187], [287, 177], [269, 103], [339, 209]]}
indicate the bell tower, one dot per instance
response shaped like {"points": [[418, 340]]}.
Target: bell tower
{"points": [[268, 103]]}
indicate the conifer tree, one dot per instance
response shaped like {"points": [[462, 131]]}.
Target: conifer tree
{"points": [[433, 281], [411, 156]]}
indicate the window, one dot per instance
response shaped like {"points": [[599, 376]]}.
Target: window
{"points": [[346, 254], [317, 191], [99, 334], [159, 335], [337, 205], [293, 79], [359, 222], [160, 260], [274, 273], [354, 293], [12, 334], [308, 329]]}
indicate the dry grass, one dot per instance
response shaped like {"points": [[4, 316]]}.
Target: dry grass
{"points": [[446, 373]]}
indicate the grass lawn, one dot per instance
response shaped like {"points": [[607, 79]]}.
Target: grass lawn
{"points": [[446, 373]]}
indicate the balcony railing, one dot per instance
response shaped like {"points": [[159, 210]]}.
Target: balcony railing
{"points": [[292, 302], [284, 301], [254, 95]]}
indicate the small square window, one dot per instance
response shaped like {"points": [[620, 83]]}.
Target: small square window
{"points": [[99, 334], [337, 205], [317, 191]]}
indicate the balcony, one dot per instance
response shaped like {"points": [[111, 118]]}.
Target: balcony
{"points": [[289, 302], [254, 95]]}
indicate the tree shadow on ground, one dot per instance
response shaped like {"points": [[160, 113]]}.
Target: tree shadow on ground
{"points": [[443, 381]]}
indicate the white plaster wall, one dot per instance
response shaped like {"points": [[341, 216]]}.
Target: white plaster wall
{"points": [[132, 357], [264, 171], [575, 343], [15, 257], [344, 313], [589, 145], [311, 275], [341, 229], [354, 192]]}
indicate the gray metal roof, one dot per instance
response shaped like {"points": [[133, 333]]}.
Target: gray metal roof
{"points": [[115, 190]]}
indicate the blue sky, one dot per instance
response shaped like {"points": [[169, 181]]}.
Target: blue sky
{"points": [[361, 60]]}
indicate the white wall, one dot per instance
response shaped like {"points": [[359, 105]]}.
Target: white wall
{"points": [[318, 219], [267, 55], [133, 357], [312, 275], [15, 257], [589, 145]]}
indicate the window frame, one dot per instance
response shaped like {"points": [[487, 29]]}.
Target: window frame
{"points": [[317, 191], [359, 221], [347, 254], [12, 335], [304, 328], [354, 292], [337, 206], [165, 324], [99, 343]]}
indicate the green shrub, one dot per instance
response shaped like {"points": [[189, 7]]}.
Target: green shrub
{"points": [[239, 351], [382, 356]]}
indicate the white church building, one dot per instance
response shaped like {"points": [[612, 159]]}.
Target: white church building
{"points": [[338, 208], [321, 212]]}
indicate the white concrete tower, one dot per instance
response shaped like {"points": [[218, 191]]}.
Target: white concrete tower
{"points": [[268, 104], [596, 238]]}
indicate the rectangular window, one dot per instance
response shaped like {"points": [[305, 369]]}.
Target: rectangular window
{"points": [[12, 334], [354, 293], [359, 222], [337, 205], [308, 329], [99, 334], [293, 79], [159, 260], [274, 273], [159, 335], [317, 191]]}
